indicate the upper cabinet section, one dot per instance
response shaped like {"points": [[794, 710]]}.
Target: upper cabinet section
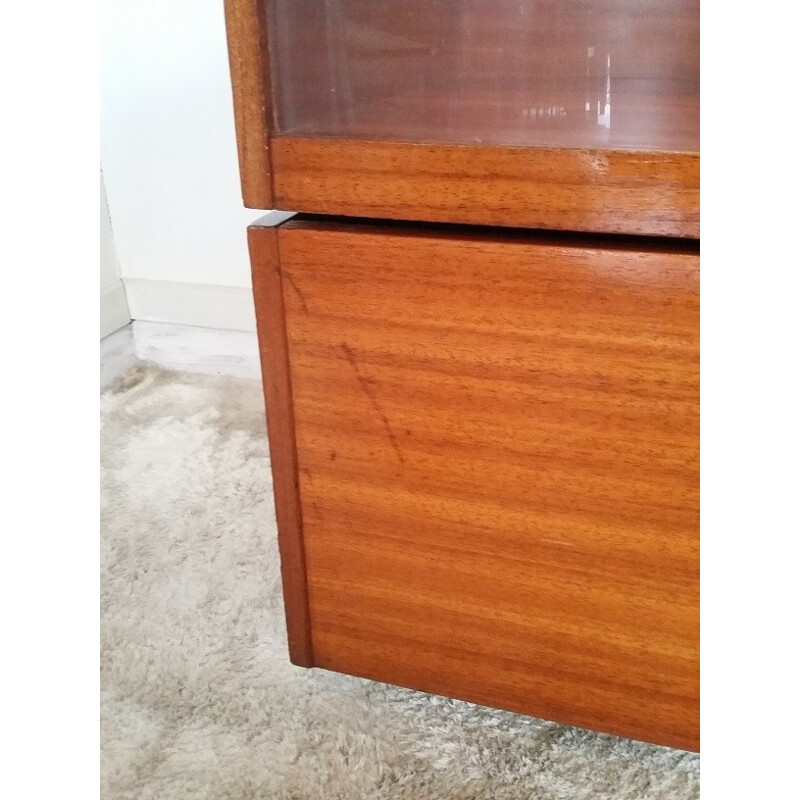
{"points": [[608, 74], [564, 114]]}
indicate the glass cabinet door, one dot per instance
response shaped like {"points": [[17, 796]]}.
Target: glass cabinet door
{"points": [[554, 73], [579, 115]]}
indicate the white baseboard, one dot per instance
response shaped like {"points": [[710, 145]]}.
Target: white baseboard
{"points": [[200, 305], [114, 312]]}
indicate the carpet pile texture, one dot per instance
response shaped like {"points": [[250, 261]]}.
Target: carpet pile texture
{"points": [[199, 700]]}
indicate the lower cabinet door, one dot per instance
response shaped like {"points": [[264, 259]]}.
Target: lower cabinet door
{"points": [[486, 458]]}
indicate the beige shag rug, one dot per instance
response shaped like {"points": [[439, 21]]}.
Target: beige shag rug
{"points": [[199, 700]]}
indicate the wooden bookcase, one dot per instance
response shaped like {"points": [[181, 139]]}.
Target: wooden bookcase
{"points": [[480, 344]]}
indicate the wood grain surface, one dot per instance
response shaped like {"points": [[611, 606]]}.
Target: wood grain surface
{"points": [[245, 21], [630, 192], [265, 261], [497, 444]]}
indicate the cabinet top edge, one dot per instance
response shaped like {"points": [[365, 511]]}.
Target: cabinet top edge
{"points": [[477, 233]]}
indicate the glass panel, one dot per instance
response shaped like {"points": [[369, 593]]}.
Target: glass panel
{"points": [[566, 73]]}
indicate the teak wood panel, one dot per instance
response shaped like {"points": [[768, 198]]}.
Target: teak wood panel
{"points": [[629, 192], [497, 445]]}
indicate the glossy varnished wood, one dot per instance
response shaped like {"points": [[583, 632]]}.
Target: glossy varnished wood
{"points": [[265, 260], [245, 21], [654, 194], [497, 445]]}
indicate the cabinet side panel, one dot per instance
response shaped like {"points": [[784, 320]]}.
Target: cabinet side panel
{"points": [[245, 21], [498, 454], [265, 261]]}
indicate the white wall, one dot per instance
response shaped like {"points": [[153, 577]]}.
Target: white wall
{"points": [[168, 150], [113, 303]]}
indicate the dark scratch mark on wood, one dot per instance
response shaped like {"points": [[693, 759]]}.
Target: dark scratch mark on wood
{"points": [[300, 295], [367, 389]]}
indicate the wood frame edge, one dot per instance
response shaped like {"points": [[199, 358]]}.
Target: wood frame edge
{"points": [[359, 178], [246, 29], [273, 350]]}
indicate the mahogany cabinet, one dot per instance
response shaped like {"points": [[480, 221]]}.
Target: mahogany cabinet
{"points": [[480, 344]]}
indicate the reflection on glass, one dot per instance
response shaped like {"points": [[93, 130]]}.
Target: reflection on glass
{"points": [[536, 72]]}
